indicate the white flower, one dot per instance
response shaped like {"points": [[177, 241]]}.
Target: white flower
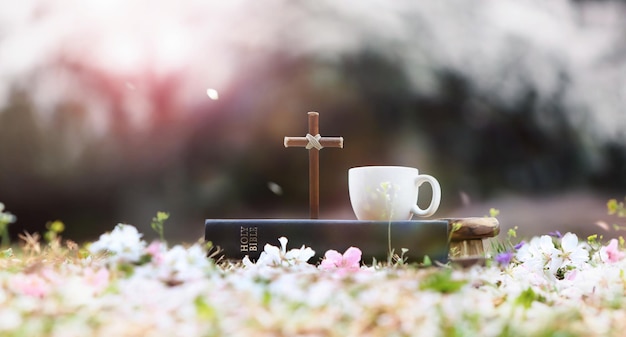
{"points": [[573, 252], [301, 255], [10, 319], [540, 254], [6, 217], [180, 264], [603, 282], [274, 256], [124, 242]]}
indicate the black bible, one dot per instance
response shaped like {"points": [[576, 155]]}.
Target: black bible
{"points": [[237, 238]]}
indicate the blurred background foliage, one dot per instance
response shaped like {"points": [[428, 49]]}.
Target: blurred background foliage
{"points": [[105, 116]]}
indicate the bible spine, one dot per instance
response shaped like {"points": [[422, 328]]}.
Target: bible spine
{"points": [[238, 238]]}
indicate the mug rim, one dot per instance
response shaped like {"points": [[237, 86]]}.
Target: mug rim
{"points": [[382, 167]]}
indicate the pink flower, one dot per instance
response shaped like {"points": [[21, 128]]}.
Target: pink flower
{"points": [[571, 275], [610, 253], [31, 285], [157, 250], [98, 280], [349, 261]]}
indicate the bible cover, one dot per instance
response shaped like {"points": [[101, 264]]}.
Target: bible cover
{"points": [[238, 238]]}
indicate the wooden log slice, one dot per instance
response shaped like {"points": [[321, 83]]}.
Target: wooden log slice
{"points": [[463, 229]]}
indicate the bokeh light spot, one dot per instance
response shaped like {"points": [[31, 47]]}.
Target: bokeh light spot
{"points": [[213, 94], [275, 188]]}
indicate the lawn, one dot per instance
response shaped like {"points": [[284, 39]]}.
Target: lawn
{"points": [[121, 285]]}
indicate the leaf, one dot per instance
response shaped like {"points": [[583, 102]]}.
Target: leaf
{"points": [[7, 253], [591, 239], [158, 223], [203, 309], [527, 297], [616, 208], [611, 206], [427, 261], [493, 212], [442, 282], [162, 216], [56, 226]]}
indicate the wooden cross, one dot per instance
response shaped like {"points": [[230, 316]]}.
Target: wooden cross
{"points": [[314, 143]]}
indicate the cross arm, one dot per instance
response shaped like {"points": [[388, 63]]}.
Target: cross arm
{"points": [[303, 141]]}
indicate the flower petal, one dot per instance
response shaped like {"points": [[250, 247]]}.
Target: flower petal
{"points": [[569, 242], [332, 260], [334, 256], [352, 257], [283, 244]]}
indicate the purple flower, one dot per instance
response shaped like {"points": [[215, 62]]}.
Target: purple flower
{"points": [[519, 245], [556, 234], [504, 258]]}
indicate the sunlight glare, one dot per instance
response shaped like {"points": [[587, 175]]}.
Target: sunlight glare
{"points": [[122, 53], [173, 46]]}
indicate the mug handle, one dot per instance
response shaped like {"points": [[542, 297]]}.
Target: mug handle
{"points": [[434, 202]]}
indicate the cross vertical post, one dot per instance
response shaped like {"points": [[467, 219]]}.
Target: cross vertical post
{"points": [[314, 168], [314, 143]]}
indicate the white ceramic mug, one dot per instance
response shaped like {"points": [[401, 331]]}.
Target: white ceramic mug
{"points": [[389, 192]]}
